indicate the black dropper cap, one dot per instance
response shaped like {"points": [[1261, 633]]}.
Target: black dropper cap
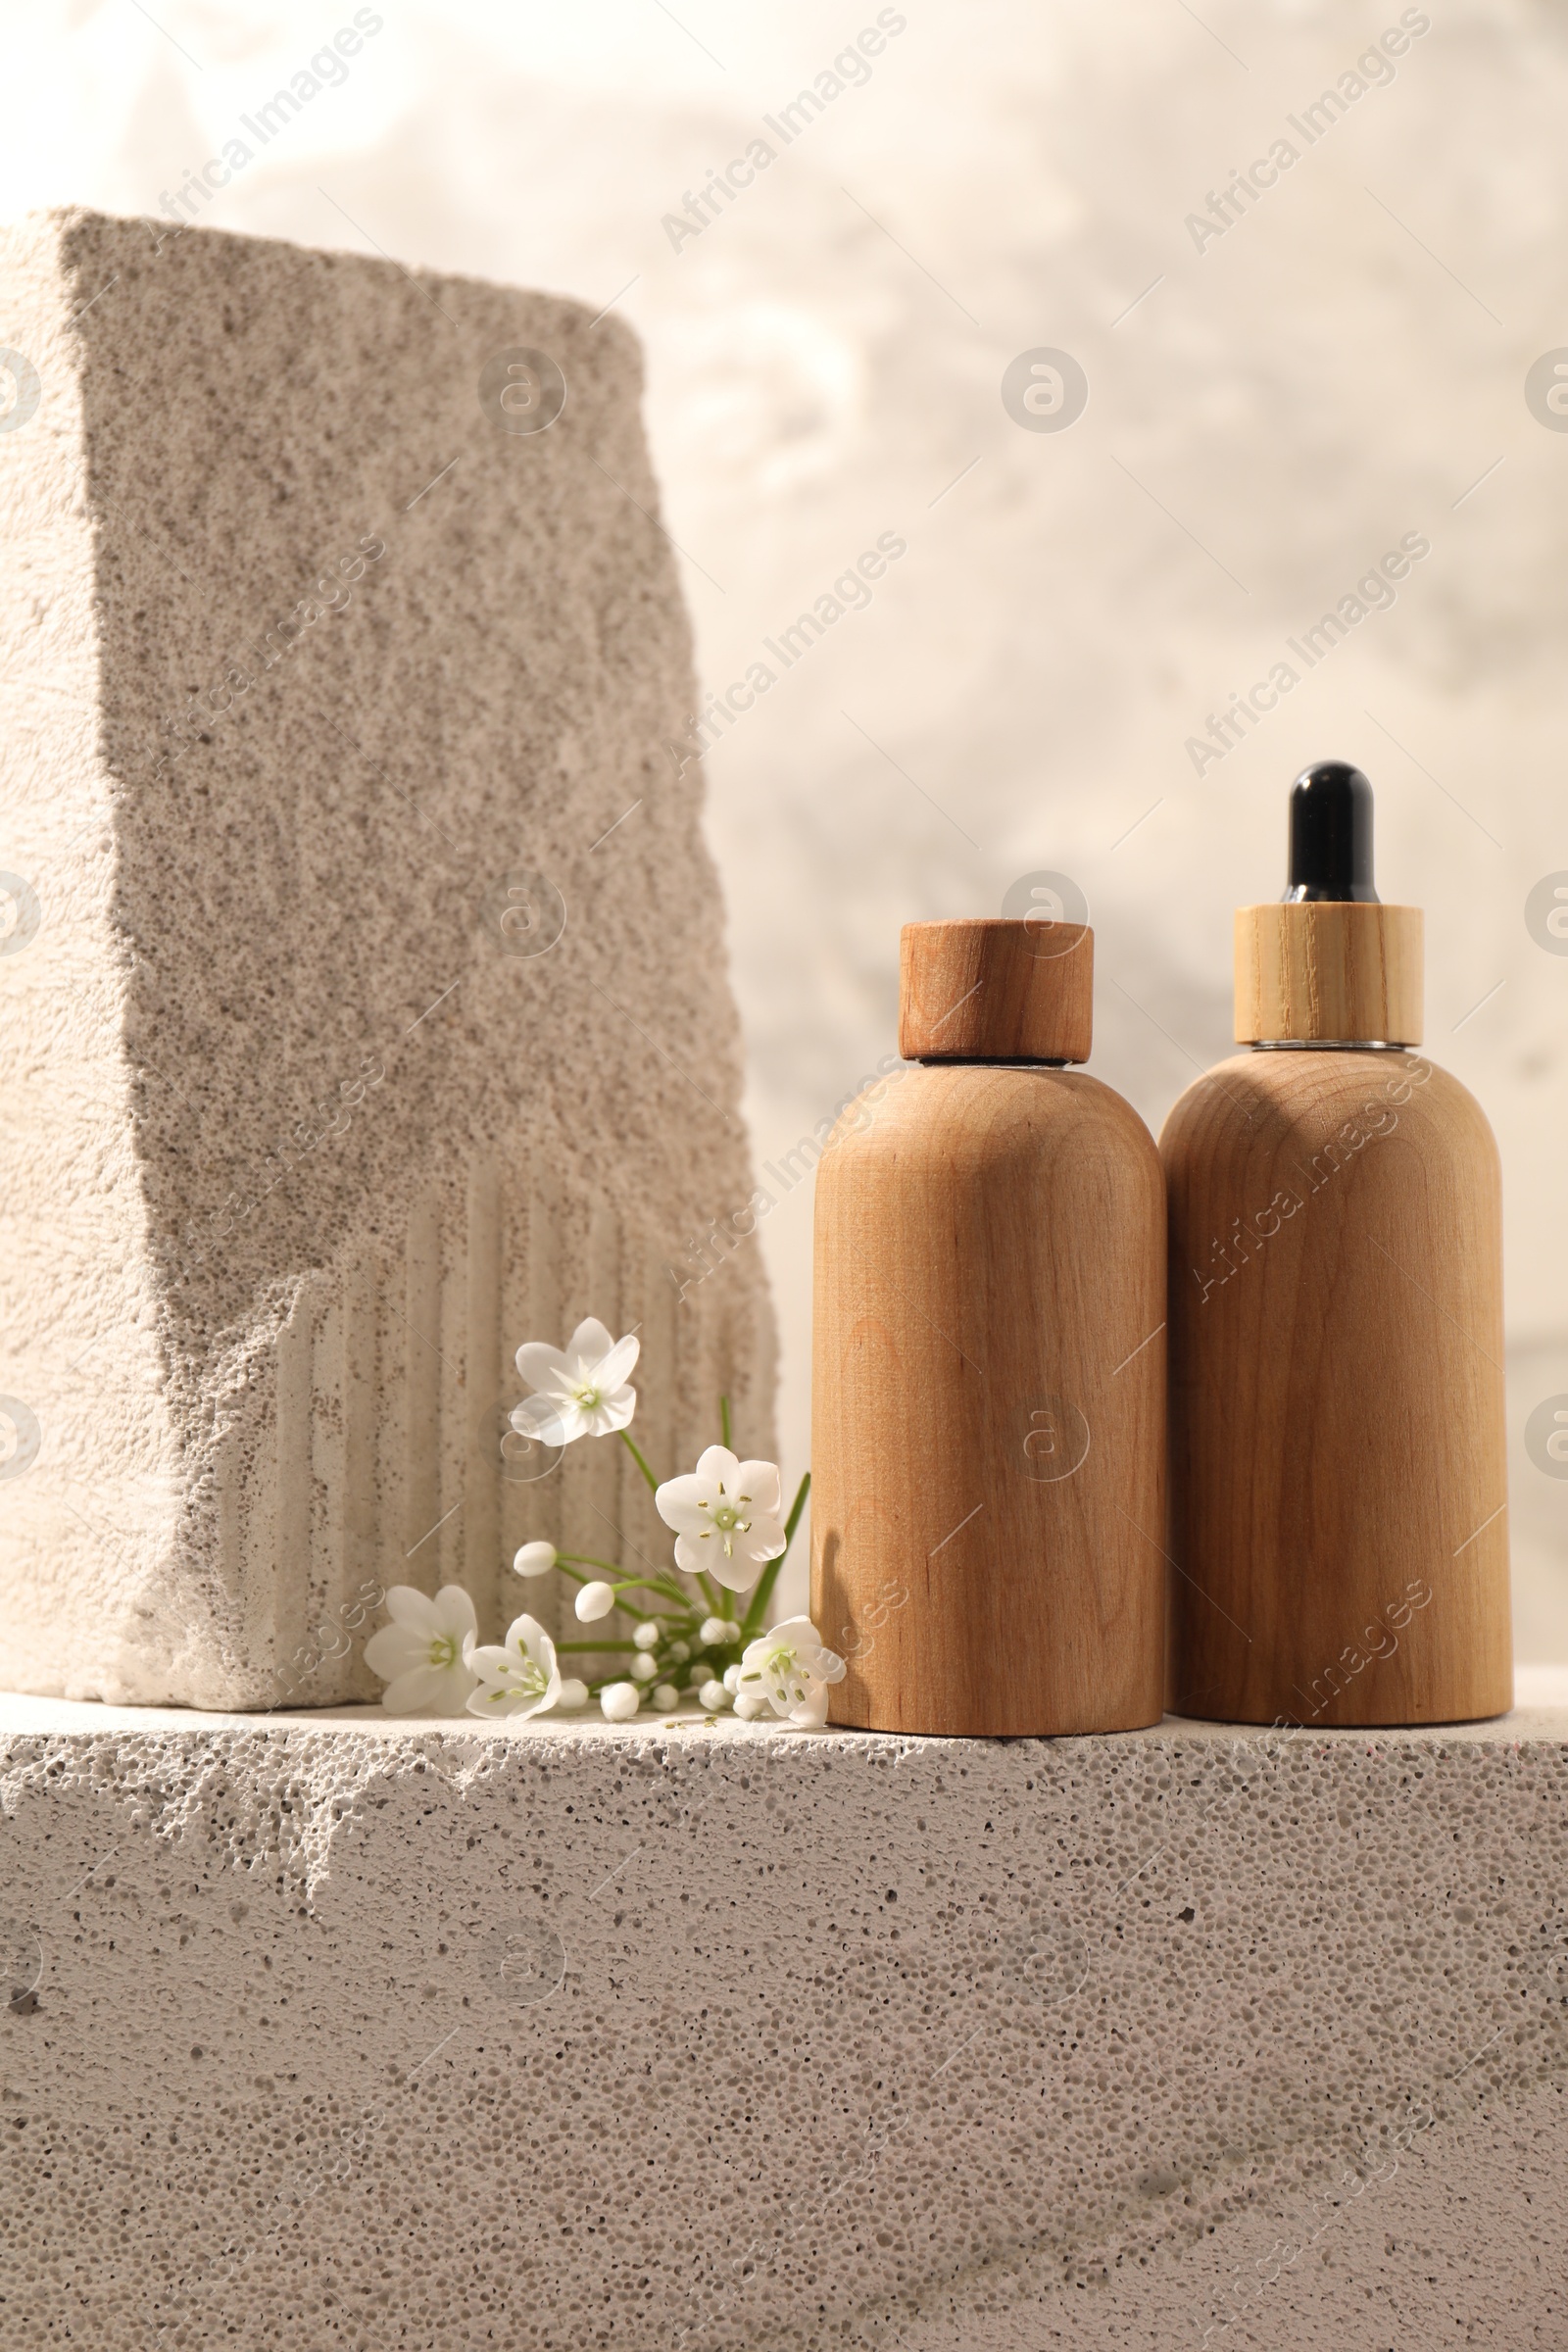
{"points": [[1331, 834]]}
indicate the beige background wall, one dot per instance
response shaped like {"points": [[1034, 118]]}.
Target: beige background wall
{"points": [[1269, 411]]}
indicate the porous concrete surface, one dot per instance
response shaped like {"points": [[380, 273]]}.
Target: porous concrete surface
{"points": [[344, 2032], [311, 660]]}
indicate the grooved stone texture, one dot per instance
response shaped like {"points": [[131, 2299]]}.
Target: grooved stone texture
{"points": [[344, 1044], [346, 2033]]}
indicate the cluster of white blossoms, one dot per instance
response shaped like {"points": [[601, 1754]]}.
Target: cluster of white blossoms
{"points": [[731, 1536], [433, 1663]]}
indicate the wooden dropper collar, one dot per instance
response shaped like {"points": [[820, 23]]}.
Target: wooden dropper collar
{"points": [[1329, 964], [992, 989]]}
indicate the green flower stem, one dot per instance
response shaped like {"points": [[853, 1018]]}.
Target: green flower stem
{"points": [[664, 1584], [677, 1591], [653, 1483], [796, 1508], [725, 1425], [652, 1584], [751, 1622]]}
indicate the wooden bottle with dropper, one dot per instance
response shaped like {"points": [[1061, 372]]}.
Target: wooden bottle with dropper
{"points": [[1337, 1459]]}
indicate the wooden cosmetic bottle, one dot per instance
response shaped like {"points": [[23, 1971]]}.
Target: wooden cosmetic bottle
{"points": [[988, 1410], [1337, 1469]]}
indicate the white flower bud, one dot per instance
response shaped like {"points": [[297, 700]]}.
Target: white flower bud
{"points": [[732, 1631], [711, 1630], [594, 1601], [712, 1697], [620, 1701], [749, 1705], [732, 1679], [533, 1559], [645, 1636], [680, 1651], [666, 1696], [643, 1667], [572, 1693]]}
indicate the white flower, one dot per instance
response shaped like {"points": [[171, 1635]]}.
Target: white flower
{"points": [[419, 1655], [592, 1602], [533, 1559], [643, 1667], [620, 1701], [712, 1697], [646, 1635], [791, 1669], [666, 1696], [749, 1705], [581, 1389], [573, 1693], [519, 1677], [725, 1517], [718, 1629], [732, 1680]]}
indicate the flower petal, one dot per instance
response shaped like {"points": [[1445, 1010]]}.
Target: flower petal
{"points": [[499, 1699], [760, 1481], [488, 1661], [589, 1342], [719, 1466], [612, 1413], [406, 1605], [799, 1633], [540, 1417], [528, 1634], [455, 1684], [692, 1554], [679, 1502], [543, 1366], [395, 1650], [738, 1573], [424, 1690], [455, 1611], [616, 1368]]}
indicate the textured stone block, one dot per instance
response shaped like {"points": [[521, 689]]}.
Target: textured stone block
{"points": [[442, 2037], [365, 1009]]}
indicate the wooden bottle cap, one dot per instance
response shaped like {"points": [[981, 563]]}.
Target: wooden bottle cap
{"points": [[1317, 971], [990, 989]]}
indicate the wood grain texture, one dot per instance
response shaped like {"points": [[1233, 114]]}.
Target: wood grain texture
{"points": [[990, 1291], [995, 990], [1330, 968], [1337, 1459]]}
